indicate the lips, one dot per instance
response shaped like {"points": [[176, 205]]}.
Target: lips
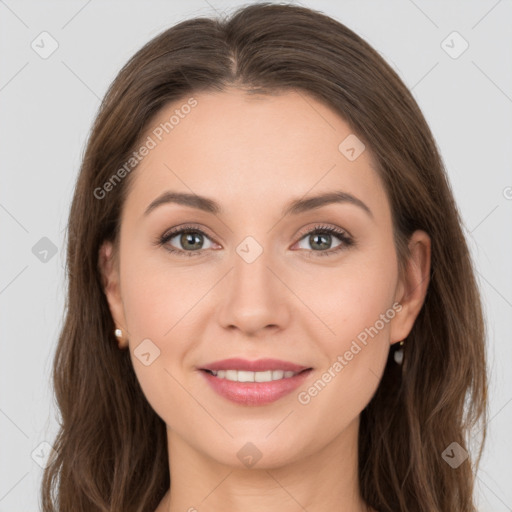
{"points": [[260, 365], [250, 385], [254, 393]]}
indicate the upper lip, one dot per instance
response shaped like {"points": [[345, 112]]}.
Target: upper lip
{"points": [[259, 365]]}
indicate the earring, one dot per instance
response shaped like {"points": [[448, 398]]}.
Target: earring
{"points": [[119, 336], [399, 353]]}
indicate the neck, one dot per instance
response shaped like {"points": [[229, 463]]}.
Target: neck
{"points": [[323, 480]]}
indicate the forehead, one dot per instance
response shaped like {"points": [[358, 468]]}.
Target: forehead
{"points": [[241, 149]]}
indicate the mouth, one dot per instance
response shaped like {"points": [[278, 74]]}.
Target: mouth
{"points": [[254, 383]]}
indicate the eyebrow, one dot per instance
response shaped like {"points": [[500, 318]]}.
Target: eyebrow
{"points": [[295, 206]]}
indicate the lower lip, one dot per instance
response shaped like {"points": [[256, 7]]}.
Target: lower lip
{"points": [[255, 393]]}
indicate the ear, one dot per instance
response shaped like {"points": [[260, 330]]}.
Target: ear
{"points": [[109, 269], [412, 288]]}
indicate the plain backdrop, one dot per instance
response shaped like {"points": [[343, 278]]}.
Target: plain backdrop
{"points": [[48, 103]]}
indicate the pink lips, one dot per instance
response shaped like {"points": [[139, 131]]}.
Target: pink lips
{"points": [[254, 393]]}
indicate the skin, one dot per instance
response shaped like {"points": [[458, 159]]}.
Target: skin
{"points": [[239, 150]]}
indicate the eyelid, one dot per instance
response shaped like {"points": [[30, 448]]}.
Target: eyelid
{"points": [[186, 227], [319, 226]]}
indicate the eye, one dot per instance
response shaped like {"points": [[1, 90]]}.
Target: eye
{"points": [[320, 237], [189, 239]]}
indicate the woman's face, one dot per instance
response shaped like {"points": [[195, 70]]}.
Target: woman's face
{"points": [[255, 279]]}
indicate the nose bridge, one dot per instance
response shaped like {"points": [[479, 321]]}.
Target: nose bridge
{"points": [[251, 268], [254, 297]]}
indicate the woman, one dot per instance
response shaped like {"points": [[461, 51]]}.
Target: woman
{"points": [[263, 223]]}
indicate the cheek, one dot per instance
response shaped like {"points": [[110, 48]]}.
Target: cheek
{"points": [[356, 303], [156, 316], [161, 302], [351, 297], [157, 294]]}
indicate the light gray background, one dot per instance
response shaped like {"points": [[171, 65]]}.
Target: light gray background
{"points": [[47, 107]]}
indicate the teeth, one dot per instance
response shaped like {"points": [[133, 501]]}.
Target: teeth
{"points": [[245, 376]]}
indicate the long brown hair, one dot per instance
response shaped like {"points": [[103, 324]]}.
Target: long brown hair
{"points": [[111, 452]]}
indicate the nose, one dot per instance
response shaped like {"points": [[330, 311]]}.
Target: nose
{"points": [[254, 297]]}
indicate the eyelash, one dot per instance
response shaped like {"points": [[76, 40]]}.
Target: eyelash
{"points": [[347, 241]]}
